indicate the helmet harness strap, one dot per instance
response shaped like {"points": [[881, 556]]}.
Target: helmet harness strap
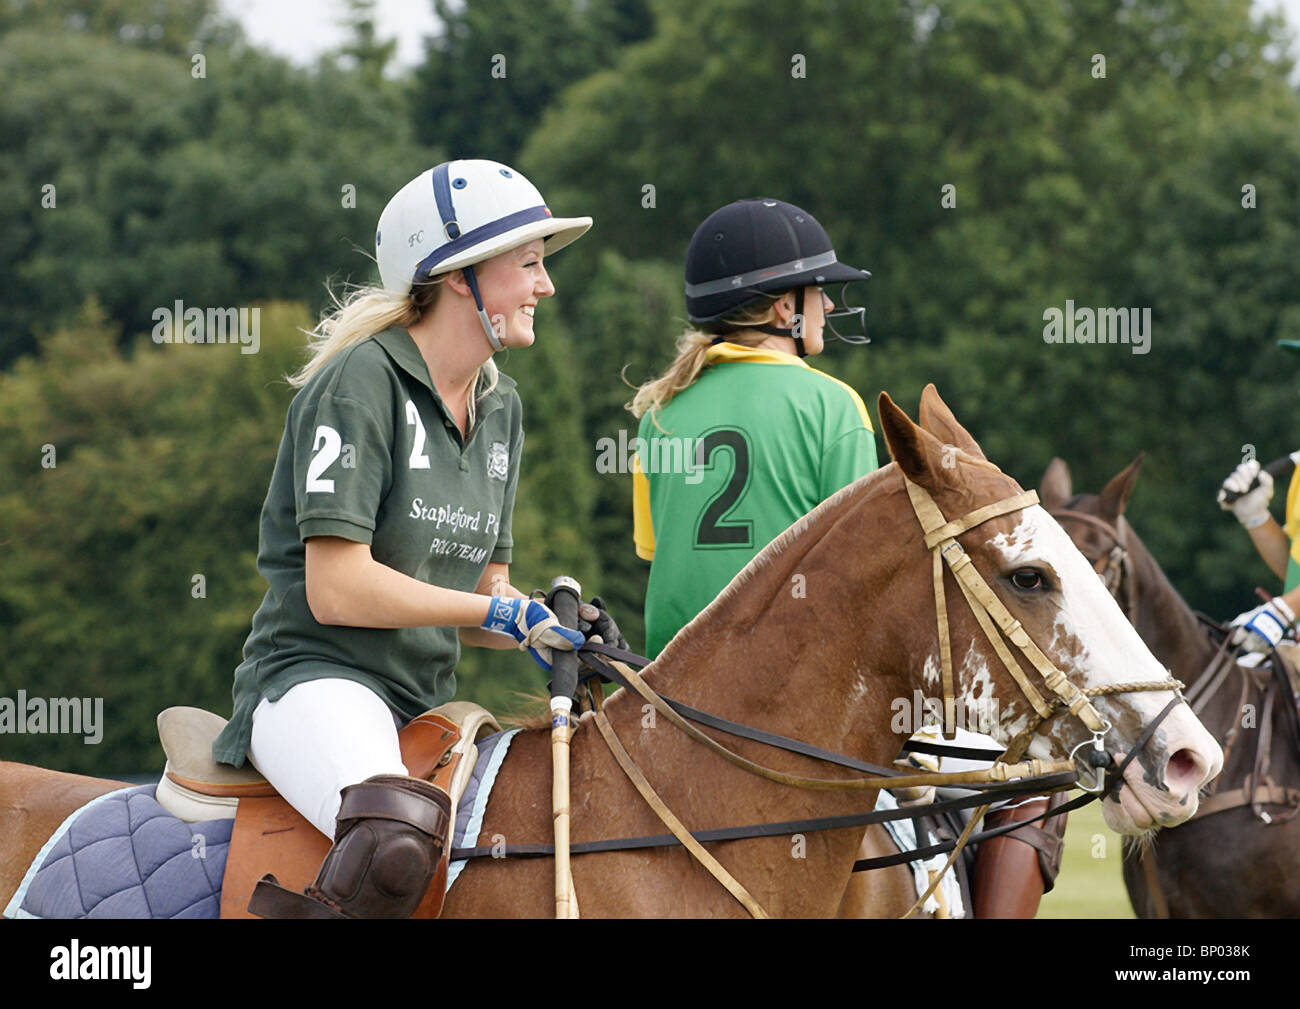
{"points": [[795, 332], [447, 211], [482, 312]]}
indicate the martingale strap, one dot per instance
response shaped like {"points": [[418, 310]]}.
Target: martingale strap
{"points": [[994, 618]]}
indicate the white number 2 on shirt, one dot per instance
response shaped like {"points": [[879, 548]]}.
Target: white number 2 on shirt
{"points": [[327, 447], [418, 459]]}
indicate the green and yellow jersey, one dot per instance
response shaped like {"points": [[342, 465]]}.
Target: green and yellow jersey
{"points": [[1292, 527], [758, 441]]}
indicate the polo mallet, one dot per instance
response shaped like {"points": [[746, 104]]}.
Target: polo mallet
{"points": [[567, 594], [1277, 469]]}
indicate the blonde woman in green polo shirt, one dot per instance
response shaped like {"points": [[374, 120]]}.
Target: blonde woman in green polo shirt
{"points": [[386, 534]]}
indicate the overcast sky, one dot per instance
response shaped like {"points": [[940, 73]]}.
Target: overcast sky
{"points": [[302, 29]]}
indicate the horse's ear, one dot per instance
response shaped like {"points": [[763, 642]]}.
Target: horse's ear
{"points": [[917, 452], [936, 418], [1057, 486], [1114, 499]]}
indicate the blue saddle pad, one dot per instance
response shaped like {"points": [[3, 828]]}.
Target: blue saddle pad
{"points": [[124, 856]]}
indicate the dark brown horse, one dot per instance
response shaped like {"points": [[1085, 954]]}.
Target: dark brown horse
{"points": [[1232, 862], [822, 664]]}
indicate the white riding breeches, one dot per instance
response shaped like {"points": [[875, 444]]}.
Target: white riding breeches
{"points": [[320, 737]]}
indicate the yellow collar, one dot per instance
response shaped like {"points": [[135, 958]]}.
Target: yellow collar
{"points": [[758, 355]]}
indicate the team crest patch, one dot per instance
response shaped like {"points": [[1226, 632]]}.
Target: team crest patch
{"points": [[498, 460]]}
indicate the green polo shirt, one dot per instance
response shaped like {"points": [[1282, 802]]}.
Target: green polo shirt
{"points": [[756, 442], [370, 454]]}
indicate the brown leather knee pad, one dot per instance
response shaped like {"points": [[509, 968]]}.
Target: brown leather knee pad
{"points": [[390, 836]]}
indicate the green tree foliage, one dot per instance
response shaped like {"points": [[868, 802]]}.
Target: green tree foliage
{"points": [[365, 50], [626, 319], [1165, 178], [160, 461], [257, 180], [498, 64], [1117, 190], [178, 27]]}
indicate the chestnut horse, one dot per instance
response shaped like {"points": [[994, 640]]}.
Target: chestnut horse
{"points": [[821, 664], [1229, 863]]}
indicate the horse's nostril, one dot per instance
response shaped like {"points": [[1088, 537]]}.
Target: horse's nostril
{"points": [[1183, 772]]}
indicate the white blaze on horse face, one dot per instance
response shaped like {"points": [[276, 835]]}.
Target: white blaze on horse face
{"points": [[1109, 649]]}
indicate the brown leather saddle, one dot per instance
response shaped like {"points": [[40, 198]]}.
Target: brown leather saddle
{"points": [[270, 835]]}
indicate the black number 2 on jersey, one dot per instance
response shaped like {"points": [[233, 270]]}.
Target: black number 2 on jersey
{"points": [[712, 530]]}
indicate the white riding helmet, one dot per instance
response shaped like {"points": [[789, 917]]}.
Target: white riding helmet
{"points": [[460, 213]]}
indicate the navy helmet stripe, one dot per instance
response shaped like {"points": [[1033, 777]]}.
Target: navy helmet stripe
{"points": [[471, 238], [442, 196]]}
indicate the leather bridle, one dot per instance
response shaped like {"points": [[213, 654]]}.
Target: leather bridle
{"points": [[941, 539]]}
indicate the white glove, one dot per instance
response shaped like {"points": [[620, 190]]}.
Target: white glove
{"points": [[1260, 629], [1251, 508]]}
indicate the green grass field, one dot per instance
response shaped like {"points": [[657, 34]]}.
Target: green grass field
{"points": [[1089, 884]]}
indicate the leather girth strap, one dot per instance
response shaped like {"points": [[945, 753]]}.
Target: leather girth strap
{"points": [[1265, 793]]}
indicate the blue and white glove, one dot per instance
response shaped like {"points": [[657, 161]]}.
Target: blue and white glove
{"points": [[1260, 629], [535, 627]]}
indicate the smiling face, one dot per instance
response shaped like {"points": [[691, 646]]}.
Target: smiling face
{"points": [[511, 285]]}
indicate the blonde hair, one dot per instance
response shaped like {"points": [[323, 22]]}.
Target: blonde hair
{"points": [[692, 347], [367, 311]]}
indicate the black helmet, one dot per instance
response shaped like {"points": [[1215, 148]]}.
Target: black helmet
{"points": [[761, 246]]}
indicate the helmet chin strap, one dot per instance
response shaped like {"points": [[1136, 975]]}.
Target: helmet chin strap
{"points": [[493, 339], [798, 323], [796, 328]]}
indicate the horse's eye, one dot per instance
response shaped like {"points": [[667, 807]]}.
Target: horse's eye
{"points": [[1027, 578]]}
